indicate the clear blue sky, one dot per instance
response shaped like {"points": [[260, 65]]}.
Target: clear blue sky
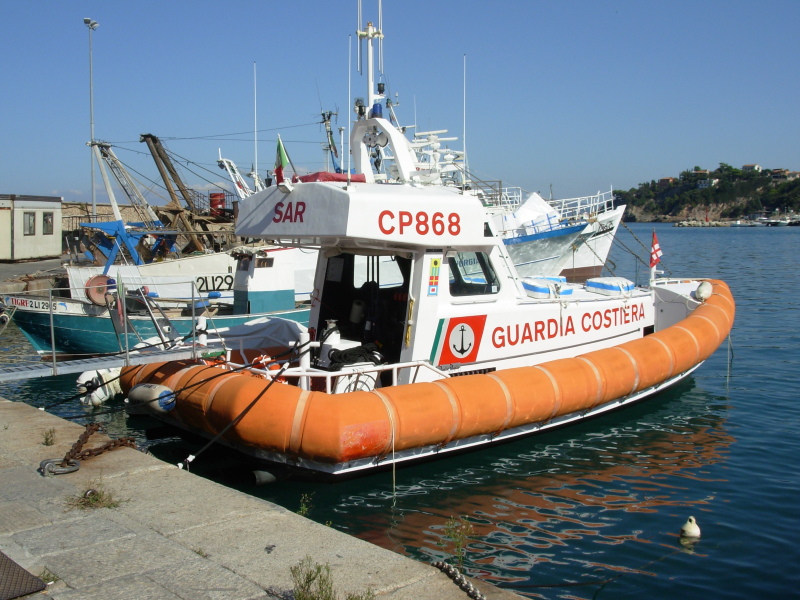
{"points": [[580, 95]]}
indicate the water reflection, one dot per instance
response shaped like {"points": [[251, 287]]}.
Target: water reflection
{"points": [[550, 509]]}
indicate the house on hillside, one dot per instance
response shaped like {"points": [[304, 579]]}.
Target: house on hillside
{"points": [[665, 182], [783, 175], [753, 167], [30, 227], [706, 183]]}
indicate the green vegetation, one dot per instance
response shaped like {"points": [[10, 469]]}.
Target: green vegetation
{"points": [[735, 194], [305, 504], [458, 531], [94, 497], [48, 576], [49, 437], [313, 581]]}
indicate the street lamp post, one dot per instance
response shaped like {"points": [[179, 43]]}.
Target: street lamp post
{"points": [[92, 25]]}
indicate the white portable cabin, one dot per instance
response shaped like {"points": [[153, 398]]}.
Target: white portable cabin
{"points": [[30, 227]]}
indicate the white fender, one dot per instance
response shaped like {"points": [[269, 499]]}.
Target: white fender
{"points": [[151, 397], [98, 387]]}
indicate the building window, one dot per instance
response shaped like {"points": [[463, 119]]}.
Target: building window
{"points": [[29, 223], [47, 223]]}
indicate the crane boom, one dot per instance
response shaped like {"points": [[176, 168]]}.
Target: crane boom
{"points": [[140, 205], [239, 184]]}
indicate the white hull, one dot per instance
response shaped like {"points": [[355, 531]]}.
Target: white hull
{"points": [[174, 279], [590, 257]]}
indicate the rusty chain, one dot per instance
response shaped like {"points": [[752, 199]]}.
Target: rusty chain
{"points": [[77, 452], [74, 455]]}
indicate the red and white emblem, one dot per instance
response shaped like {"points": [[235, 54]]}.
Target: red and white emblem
{"points": [[460, 341]]}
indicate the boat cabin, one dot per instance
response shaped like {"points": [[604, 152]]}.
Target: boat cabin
{"points": [[415, 273]]}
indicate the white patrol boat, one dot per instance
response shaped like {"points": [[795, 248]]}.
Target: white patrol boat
{"points": [[423, 339]]}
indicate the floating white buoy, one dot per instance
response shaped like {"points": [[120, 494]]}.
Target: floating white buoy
{"points": [[690, 529]]}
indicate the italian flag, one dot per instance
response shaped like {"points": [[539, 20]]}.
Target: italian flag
{"points": [[281, 160]]}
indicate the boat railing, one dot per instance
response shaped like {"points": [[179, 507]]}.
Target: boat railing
{"points": [[118, 315], [349, 378], [544, 224], [584, 207]]}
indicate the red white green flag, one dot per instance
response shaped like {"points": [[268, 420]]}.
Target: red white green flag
{"points": [[281, 161]]}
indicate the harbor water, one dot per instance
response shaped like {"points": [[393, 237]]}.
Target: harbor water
{"points": [[592, 510]]}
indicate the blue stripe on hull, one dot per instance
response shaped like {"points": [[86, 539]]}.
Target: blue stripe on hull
{"points": [[565, 231]]}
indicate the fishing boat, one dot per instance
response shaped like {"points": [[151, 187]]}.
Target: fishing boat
{"points": [[147, 253], [588, 258], [458, 353], [80, 313], [114, 316]]}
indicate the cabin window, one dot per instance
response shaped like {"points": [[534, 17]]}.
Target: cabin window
{"points": [[264, 262], [47, 223], [29, 223], [471, 274], [243, 264], [383, 270], [367, 296]]}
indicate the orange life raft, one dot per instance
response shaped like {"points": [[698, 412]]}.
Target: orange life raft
{"points": [[337, 428]]}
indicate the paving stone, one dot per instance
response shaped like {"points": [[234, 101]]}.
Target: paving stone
{"points": [[263, 548], [184, 501], [126, 462], [84, 568], [208, 582], [133, 587], [17, 516], [73, 535]]}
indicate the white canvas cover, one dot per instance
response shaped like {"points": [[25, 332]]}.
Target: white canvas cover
{"points": [[534, 213]]}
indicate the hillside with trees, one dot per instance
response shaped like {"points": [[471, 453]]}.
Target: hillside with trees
{"points": [[724, 193]]}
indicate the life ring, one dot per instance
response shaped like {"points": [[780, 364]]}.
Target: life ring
{"points": [[96, 288], [275, 366]]}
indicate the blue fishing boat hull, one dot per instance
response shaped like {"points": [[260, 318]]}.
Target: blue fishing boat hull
{"points": [[91, 335]]}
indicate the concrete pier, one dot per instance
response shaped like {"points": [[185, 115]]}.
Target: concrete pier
{"points": [[174, 535]]}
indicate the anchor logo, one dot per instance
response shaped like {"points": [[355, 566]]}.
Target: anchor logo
{"points": [[467, 338], [461, 340]]}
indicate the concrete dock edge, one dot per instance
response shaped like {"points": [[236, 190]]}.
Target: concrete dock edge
{"points": [[175, 535]]}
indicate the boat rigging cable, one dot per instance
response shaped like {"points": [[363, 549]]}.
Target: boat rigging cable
{"points": [[646, 249], [153, 184], [275, 377], [223, 135]]}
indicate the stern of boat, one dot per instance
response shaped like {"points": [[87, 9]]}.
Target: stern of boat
{"points": [[675, 299]]}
